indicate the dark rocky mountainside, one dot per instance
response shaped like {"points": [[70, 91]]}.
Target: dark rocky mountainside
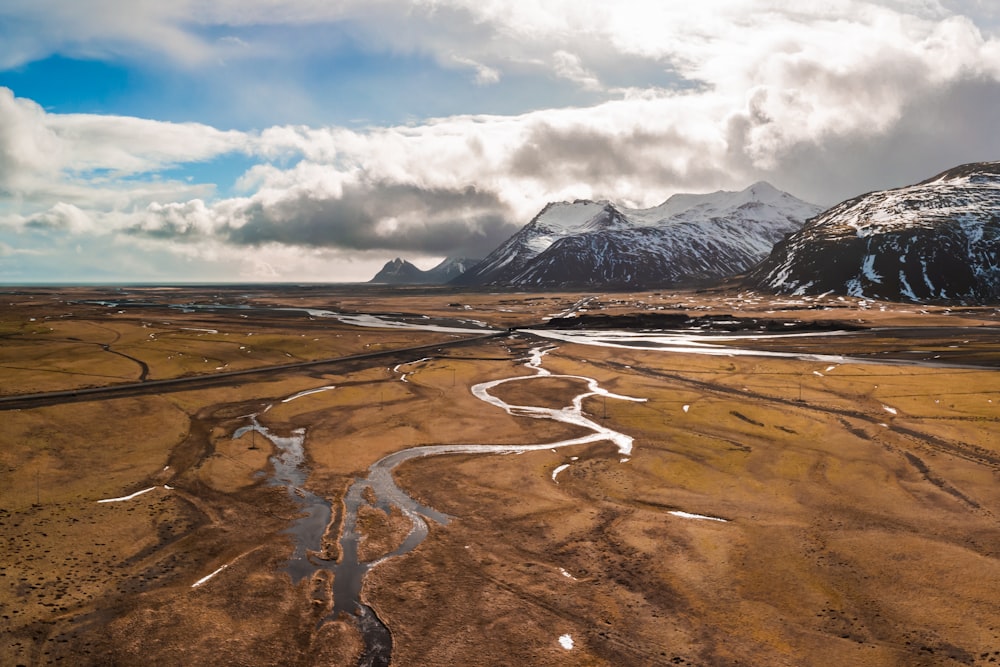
{"points": [[938, 240]]}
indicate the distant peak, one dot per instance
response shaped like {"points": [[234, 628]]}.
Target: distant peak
{"points": [[760, 187], [965, 170]]}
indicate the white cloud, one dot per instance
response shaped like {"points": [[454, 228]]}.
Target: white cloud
{"points": [[100, 162], [62, 217], [569, 66], [97, 29], [821, 97], [485, 75]]}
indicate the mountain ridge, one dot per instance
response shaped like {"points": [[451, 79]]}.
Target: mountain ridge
{"points": [[689, 238], [399, 271], [936, 240]]}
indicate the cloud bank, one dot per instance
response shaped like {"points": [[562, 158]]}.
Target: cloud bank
{"points": [[827, 100]]}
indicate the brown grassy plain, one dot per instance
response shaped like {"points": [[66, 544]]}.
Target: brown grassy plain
{"points": [[861, 500]]}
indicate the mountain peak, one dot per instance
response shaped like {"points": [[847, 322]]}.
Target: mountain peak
{"points": [[399, 271], [762, 189], [965, 171], [690, 237], [937, 240]]}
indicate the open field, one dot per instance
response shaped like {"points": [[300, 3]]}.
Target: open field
{"points": [[859, 502]]}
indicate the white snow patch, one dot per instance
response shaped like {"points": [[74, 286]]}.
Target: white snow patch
{"points": [[566, 641], [686, 408], [890, 410], [904, 287], [128, 497], [703, 517], [868, 269], [558, 470], [307, 392], [207, 577]]}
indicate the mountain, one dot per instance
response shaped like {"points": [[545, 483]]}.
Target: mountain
{"points": [[401, 272], [449, 269], [938, 240], [686, 239], [398, 272]]}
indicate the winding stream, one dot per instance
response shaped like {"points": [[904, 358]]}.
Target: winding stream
{"points": [[695, 341], [316, 513], [309, 529]]}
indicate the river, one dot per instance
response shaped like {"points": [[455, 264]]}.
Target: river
{"points": [[309, 529]]}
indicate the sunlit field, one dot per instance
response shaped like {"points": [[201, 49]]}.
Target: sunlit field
{"points": [[829, 498]]}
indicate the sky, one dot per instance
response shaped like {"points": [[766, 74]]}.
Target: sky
{"points": [[314, 140]]}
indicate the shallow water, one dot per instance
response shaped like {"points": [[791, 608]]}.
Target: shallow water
{"points": [[309, 529]]}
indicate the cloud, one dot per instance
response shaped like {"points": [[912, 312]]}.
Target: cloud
{"points": [[485, 75], [98, 161], [61, 217], [96, 29], [569, 66], [826, 100], [362, 216]]}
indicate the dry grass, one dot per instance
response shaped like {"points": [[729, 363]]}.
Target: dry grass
{"points": [[855, 534]]}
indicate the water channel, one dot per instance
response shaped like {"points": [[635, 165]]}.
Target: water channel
{"points": [[309, 529]]}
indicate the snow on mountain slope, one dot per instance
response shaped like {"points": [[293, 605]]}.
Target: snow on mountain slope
{"points": [[688, 238], [718, 204], [401, 272], [938, 240]]}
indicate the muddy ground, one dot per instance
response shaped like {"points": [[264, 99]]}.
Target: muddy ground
{"points": [[860, 501]]}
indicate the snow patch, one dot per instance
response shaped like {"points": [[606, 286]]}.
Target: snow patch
{"points": [[128, 497], [868, 269], [207, 577], [702, 517], [307, 392]]}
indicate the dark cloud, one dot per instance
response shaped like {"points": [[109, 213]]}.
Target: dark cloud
{"points": [[941, 129], [601, 159], [382, 216]]}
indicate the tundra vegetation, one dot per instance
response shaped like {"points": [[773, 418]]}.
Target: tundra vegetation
{"points": [[859, 496]]}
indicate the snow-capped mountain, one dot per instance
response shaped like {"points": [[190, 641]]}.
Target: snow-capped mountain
{"points": [[450, 268], [686, 239], [401, 272], [936, 240]]}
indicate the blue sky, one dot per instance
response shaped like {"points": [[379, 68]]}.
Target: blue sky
{"points": [[288, 140]]}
